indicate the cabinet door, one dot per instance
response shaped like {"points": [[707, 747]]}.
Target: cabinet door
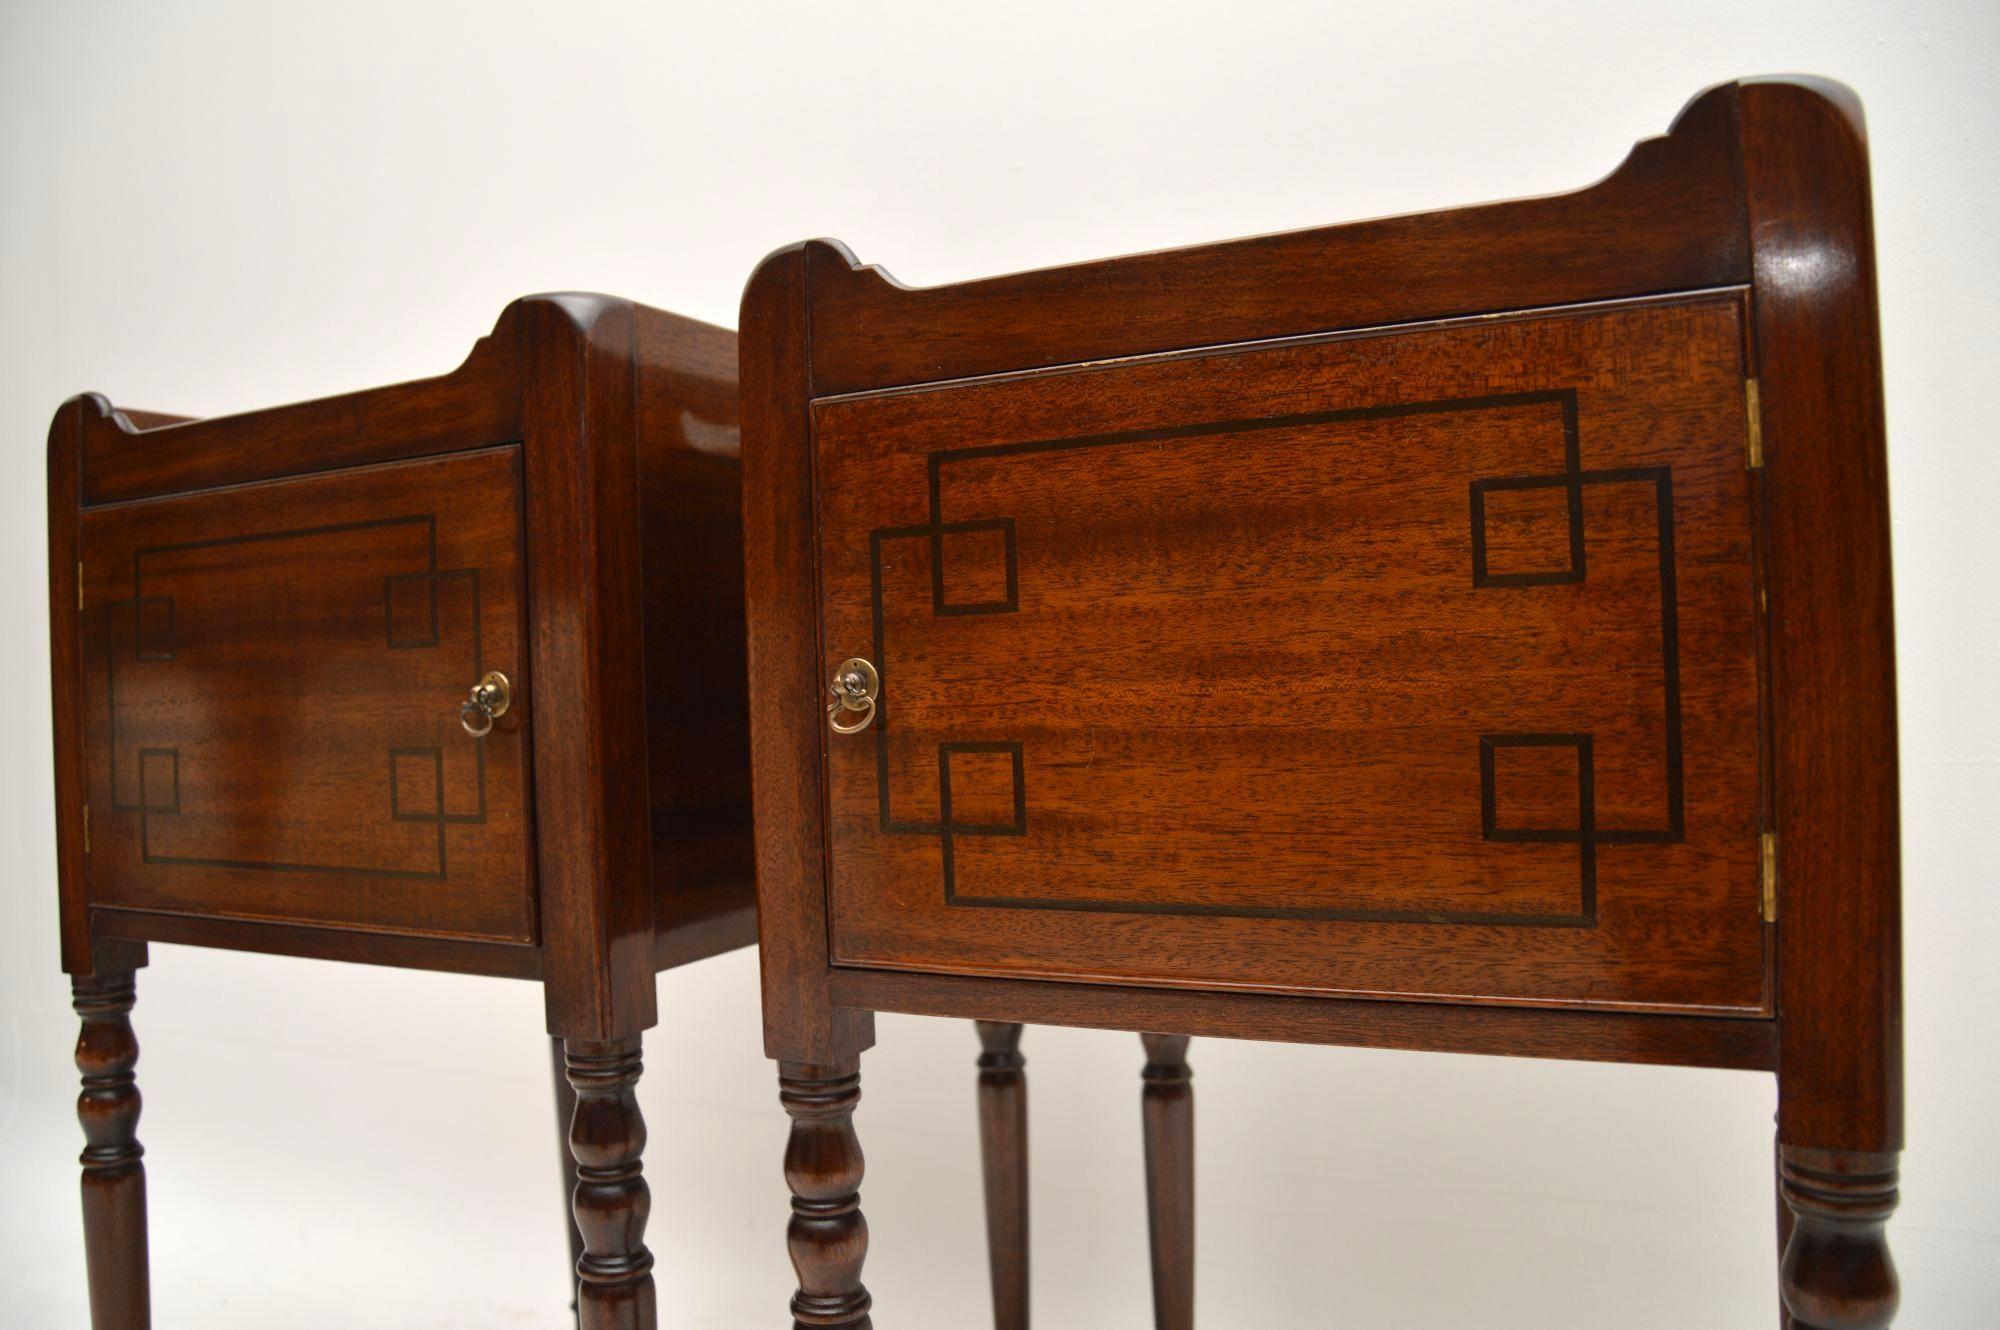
{"points": [[272, 683], [1419, 663]]}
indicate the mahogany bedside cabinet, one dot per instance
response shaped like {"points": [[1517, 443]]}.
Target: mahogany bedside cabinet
{"points": [[1467, 632], [448, 675]]}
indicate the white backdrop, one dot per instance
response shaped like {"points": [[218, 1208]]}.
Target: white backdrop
{"points": [[215, 207]]}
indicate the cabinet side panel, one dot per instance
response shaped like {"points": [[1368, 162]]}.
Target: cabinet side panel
{"points": [[697, 704]]}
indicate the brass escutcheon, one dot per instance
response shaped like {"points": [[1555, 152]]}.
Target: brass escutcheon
{"points": [[853, 689]]}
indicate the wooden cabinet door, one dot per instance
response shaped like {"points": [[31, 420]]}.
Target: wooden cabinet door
{"points": [[272, 683], [1421, 662]]}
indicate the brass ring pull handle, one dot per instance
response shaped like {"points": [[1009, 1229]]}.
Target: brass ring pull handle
{"points": [[485, 703], [853, 690]]}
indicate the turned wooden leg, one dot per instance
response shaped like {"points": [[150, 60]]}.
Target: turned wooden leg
{"points": [[1167, 1105], [566, 1114], [828, 1237], [606, 1138], [1836, 1273], [1003, 1149], [1784, 1224], [114, 1178]]}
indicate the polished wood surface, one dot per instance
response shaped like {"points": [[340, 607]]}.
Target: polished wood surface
{"points": [[1233, 603], [457, 955], [1833, 697], [65, 665], [1670, 217], [114, 1171], [128, 455], [272, 680], [263, 627], [1836, 1272], [587, 646], [1833, 648], [565, 1097], [1261, 625], [696, 688], [828, 1235], [1167, 1109], [607, 1136], [1003, 1157], [1434, 1027], [1784, 1216], [583, 461], [802, 1023]]}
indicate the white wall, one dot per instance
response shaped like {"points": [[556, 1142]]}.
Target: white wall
{"points": [[215, 207]]}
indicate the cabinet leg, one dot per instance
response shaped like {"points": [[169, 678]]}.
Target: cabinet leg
{"points": [[566, 1114], [114, 1176], [1784, 1225], [1003, 1150], [1167, 1105], [607, 1138], [1836, 1273], [828, 1236]]}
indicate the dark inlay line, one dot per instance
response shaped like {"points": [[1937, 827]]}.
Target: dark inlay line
{"points": [[432, 574], [1573, 480]]}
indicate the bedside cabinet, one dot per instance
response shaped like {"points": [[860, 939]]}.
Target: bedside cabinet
{"points": [[1461, 632], [448, 675]]}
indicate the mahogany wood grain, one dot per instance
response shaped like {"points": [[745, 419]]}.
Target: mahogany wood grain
{"points": [[1837, 1273], [1167, 1109], [456, 955], [114, 1172], [475, 405], [1436, 1027], [587, 646], [1669, 218], [1233, 602], [637, 434], [565, 1118], [1149, 545], [65, 460], [271, 683], [690, 930], [607, 1136], [828, 1234], [1784, 1224], [142, 420], [696, 689], [1003, 1154], [801, 1023], [262, 626], [1832, 618], [1840, 1080]]}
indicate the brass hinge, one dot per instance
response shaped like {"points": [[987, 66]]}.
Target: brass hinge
{"points": [[1767, 874], [1753, 412], [79, 584], [86, 828]]}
